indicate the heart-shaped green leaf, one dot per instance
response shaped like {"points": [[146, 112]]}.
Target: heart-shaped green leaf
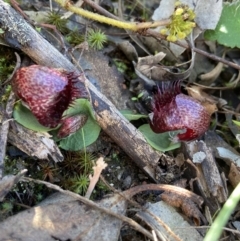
{"points": [[130, 115], [25, 117], [236, 122], [227, 31], [160, 142], [80, 106], [77, 141], [84, 137]]}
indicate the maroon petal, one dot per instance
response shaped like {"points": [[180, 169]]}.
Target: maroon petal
{"points": [[48, 92], [175, 111], [71, 124]]}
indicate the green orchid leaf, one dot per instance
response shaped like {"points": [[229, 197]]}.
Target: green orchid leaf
{"points": [[87, 135], [84, 137], [236, 122], [227, 31], [25, 117], [80, 106], [160, 142], [130, 115]]}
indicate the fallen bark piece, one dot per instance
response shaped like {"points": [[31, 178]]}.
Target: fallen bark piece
{"points": [[207, 171], [34, 143]]}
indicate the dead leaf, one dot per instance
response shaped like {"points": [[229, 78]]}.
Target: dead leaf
{"points": [[187, 205], [234, 175], [210, 77], [172, 219], [129, 50], [215, 141], [150, 69]]}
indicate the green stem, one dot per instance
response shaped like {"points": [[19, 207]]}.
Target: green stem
{"points": [[85, 152], [117, 23], [215, 231]]}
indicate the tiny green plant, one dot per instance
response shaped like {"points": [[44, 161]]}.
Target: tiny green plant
{"points": [[48, 172], [96, 39], [39, 197], [236, 122], [86, 161], [71, 163], [74, 37], [7, 207], [55, 19], [38, 29], [138, 97], [182, 23], [77, 168], [80, 183], [5, 68], [121, 66], [6, 94], [77, 162], [5, 210]]}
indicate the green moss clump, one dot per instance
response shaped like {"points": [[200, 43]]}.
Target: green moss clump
{"points": [[96, 39], [55, 19], [75, 38]]}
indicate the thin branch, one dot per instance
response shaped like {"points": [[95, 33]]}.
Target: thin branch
{"points": [[117, 23]]}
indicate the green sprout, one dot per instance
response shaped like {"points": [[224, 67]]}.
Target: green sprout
{"points": [[80, 183], [138, 97], [182, 23], [55, 19], [5, 210], [77, 166], [74, 37], [86, 161], [77, 162], [96, 39], [6, 94], [121, 66], [7, 207], [6, 68]]}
